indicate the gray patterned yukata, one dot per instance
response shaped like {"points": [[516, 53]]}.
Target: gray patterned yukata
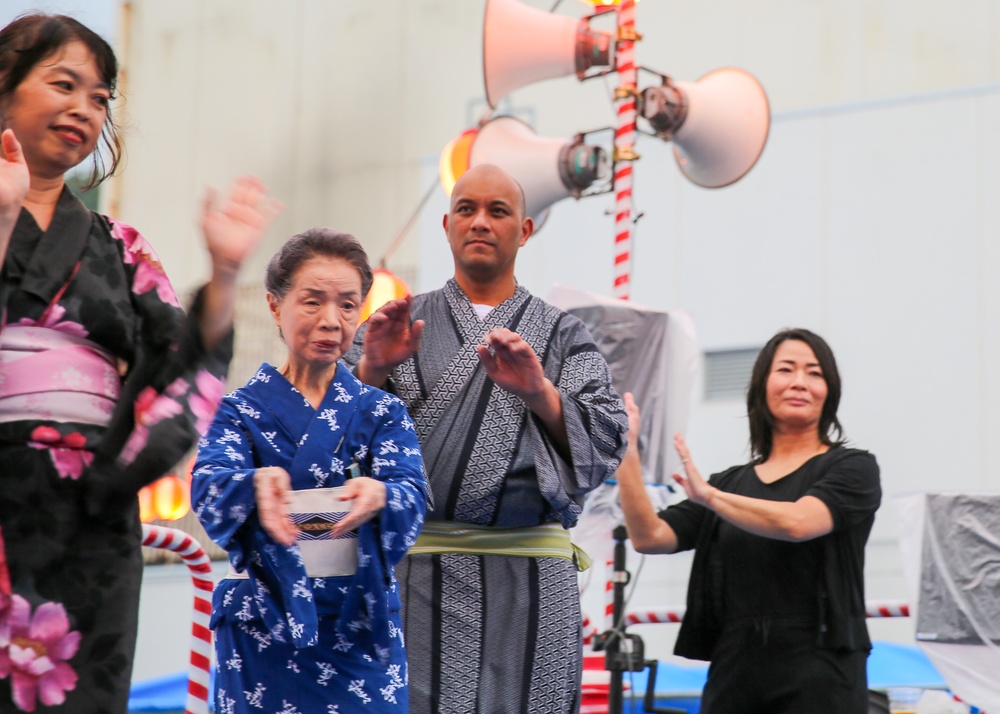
{"points": [[491, 633]]}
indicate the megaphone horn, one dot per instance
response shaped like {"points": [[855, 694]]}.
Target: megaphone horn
{"points": [[522, 45], [719, 124], [548, 169]]}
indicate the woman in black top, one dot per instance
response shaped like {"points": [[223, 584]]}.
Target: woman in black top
{"points": [[776, 594]]}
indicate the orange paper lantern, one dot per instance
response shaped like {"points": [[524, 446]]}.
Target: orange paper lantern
{"points": [[146, 514], [385, 287], [167, 499], [171, 498], [455, 159]]}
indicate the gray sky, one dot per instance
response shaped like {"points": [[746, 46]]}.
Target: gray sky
{"points": [[99, 15]]}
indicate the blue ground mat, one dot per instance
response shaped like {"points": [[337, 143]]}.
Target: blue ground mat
{"points": [[890, 665], [163, 695]]}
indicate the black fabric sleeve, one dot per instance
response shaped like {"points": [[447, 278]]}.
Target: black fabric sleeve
{"points": [[850, 488], [685, 518]]}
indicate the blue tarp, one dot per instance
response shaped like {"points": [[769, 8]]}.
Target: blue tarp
{"points": [[890, 665]]}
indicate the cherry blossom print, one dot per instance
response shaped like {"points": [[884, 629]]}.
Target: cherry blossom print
{"points": [[205, 401], [69, 453], [150, 409], [53, 318], [39, 647], [149, 273]]}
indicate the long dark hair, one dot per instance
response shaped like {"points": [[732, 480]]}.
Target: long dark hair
{"points": [[761, 419], [34, 37]]}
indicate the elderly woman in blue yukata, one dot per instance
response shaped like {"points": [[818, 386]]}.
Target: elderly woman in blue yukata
{"points": [[314, 484]]}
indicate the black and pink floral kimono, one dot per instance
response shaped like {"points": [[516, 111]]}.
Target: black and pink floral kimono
{"points": [[104, 386]]}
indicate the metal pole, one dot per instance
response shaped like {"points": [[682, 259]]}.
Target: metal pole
{"points": [[621, 576]]}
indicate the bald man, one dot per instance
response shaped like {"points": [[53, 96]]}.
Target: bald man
{"points": [[517, 420]]}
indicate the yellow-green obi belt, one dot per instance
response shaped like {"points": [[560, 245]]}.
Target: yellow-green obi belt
{"points": [[546, 541]]}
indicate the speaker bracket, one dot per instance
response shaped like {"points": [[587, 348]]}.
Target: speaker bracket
{"points": [[664, 107], [628, 35], [624, 153]]}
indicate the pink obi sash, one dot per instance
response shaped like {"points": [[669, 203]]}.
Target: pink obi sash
{"points": [[53, 375]]}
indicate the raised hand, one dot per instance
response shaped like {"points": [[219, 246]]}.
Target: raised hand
{"points": [[696, 487], [368, 495], [14, 183], [512, 364], [390, 340], [634, 420], [272, 487], [234, 229]]}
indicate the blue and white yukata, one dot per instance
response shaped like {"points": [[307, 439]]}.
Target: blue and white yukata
{"points": [[286, 642]]}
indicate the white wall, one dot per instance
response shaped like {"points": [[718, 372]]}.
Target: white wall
{"points": [[335, 104]]}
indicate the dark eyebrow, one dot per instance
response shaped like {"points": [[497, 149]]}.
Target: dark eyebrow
{"points": [[791, 361], [492, 203], [76, 76], [322, 293]]}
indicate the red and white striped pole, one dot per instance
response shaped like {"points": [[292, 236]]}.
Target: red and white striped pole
{"points": [[199, 565], [589, 630], [873, 609], [609, 596], [624, 148]]}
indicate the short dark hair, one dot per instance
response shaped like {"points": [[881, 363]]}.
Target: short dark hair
{"points": [[761, 419], [298, 249], [35, 37]]}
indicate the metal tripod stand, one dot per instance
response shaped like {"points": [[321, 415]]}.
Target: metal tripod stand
{"points": [[624, 652]]}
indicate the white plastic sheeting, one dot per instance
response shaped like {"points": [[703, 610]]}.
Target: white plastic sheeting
{"points": [[951, 561], [654, 355]]}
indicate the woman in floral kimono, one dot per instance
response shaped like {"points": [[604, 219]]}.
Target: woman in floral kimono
{"points": [[104, 383], [314, 483]]}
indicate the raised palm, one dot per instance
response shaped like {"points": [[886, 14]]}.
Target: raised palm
{"points": [[235, 228], [14, 175]]}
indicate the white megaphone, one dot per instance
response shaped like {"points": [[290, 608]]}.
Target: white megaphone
{"points": [[522, 45], [718, 124], [548, 170]]}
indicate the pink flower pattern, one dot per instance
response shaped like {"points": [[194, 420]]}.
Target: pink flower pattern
{"points": [[53, 319], [205, 401], [150, 409], [149, 273], [69, 453], [34, 653]]}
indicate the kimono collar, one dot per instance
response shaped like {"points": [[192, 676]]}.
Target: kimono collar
{"points": [[59, 249], [506, 314]]}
